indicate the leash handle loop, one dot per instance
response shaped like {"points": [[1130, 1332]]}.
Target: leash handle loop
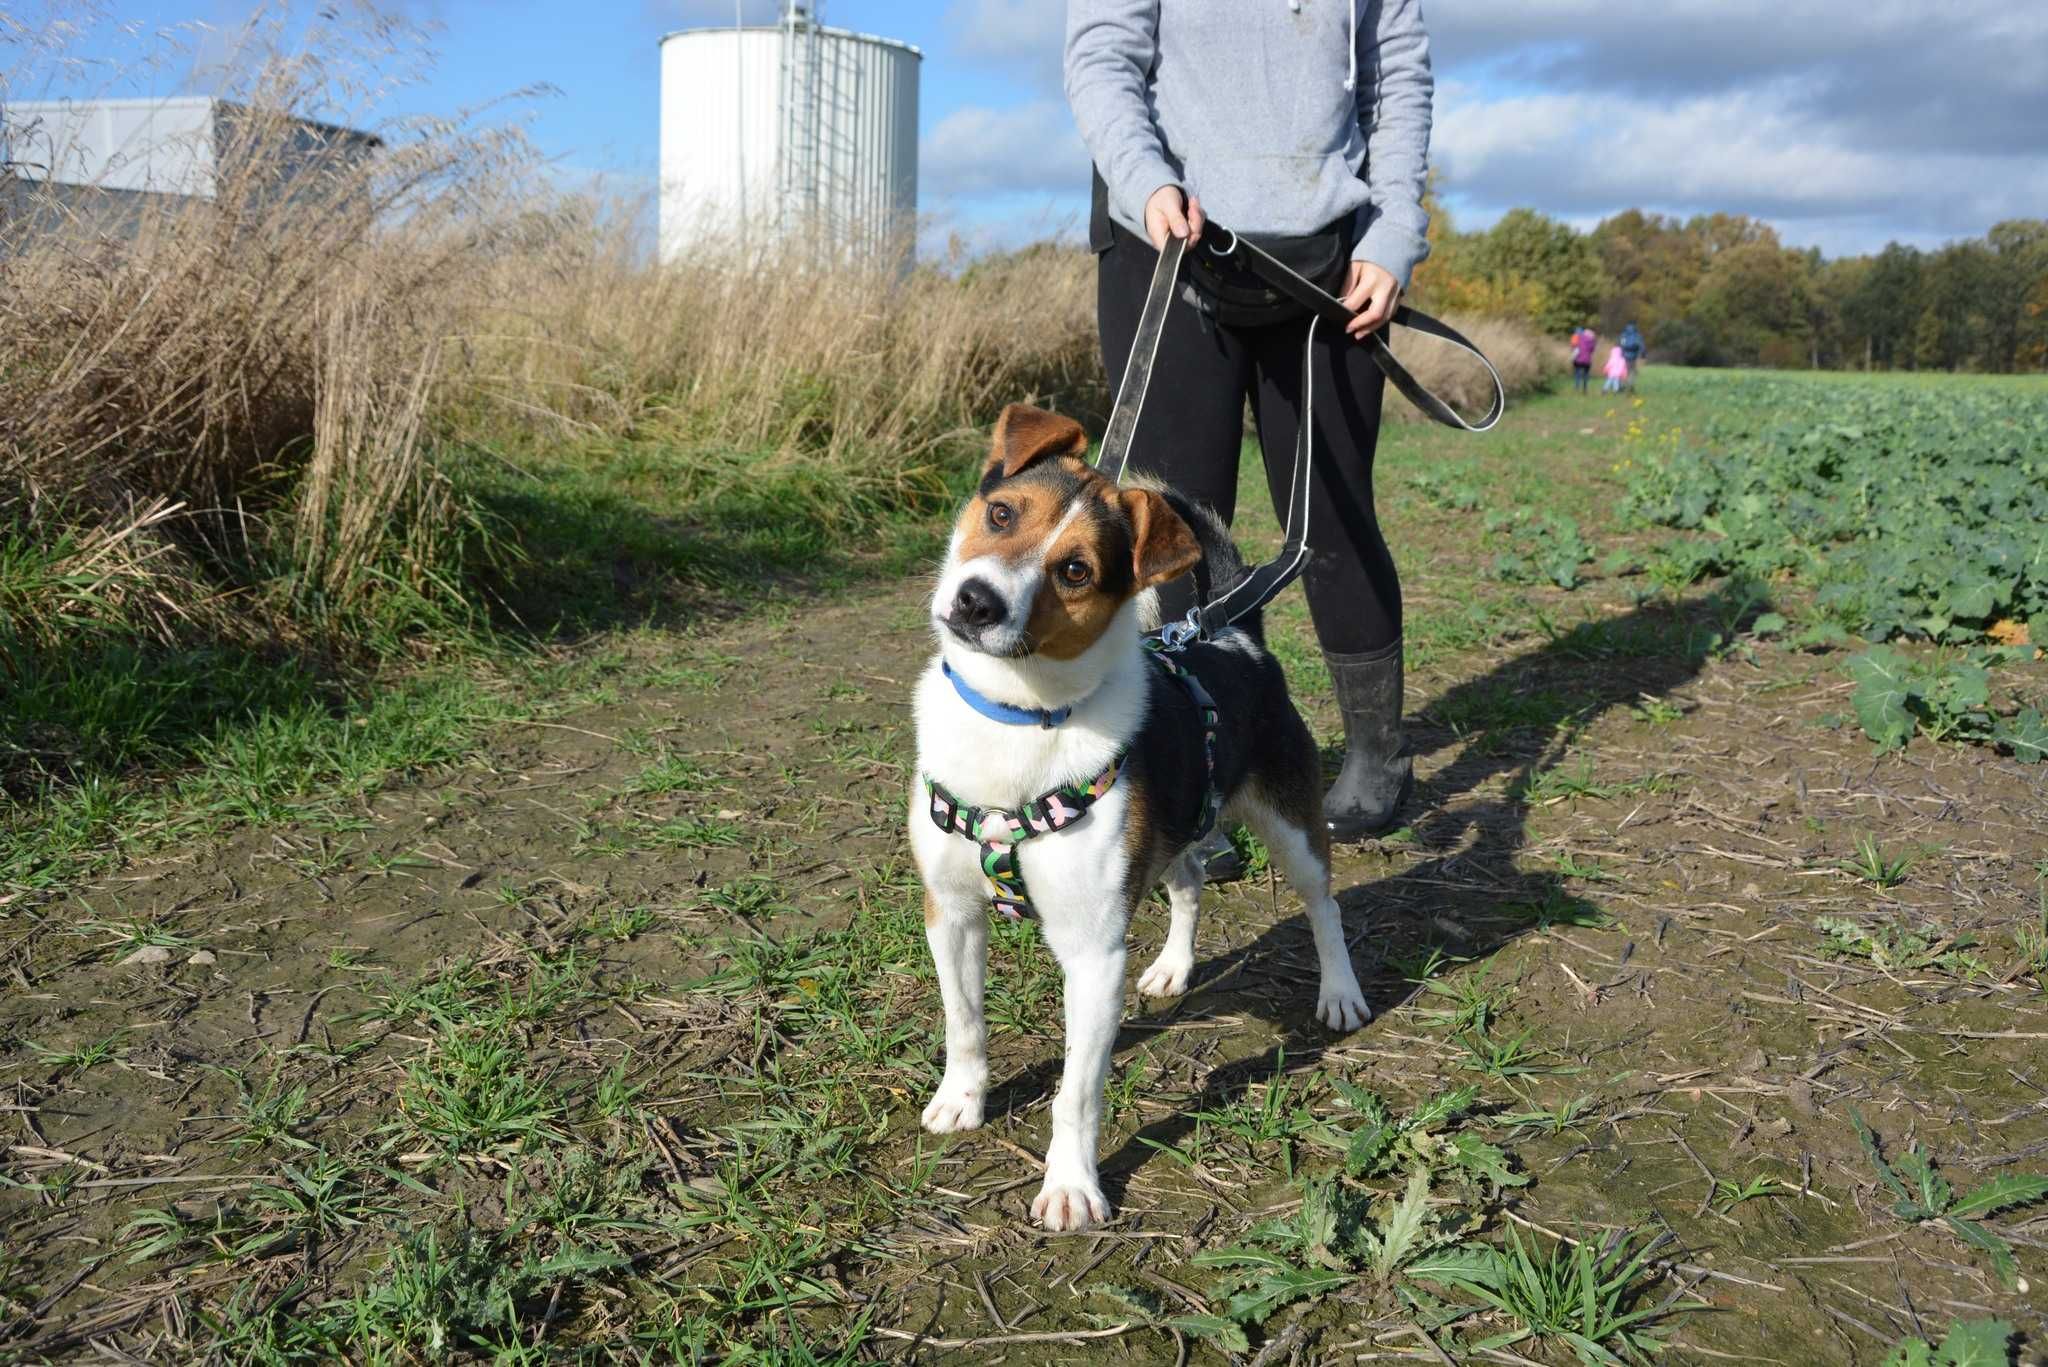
{"points": [[1330, 309], [1115, 451]]}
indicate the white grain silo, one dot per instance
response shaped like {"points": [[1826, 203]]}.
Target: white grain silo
{"points": [[794, 128]]}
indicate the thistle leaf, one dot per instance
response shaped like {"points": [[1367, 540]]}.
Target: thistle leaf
{"points": [[2002, 1193]]}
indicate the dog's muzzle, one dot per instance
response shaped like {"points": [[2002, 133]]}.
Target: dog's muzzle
{"points": [[979, 617]]}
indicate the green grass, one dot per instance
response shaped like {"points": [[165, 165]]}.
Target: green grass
{"points": [[114, 743], [472, 1095], [1729, 1194], [82, 1058], [1586, 1296], [1873, 866]]}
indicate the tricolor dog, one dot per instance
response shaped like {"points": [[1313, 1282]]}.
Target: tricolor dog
{"points": [[1067, 768]]}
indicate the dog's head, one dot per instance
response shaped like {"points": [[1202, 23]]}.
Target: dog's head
{"points": [[1049, 550]]}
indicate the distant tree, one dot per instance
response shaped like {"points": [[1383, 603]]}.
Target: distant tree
{"points": [[1886, 306], [1451, 280], [2017, 279], [1754, 303], [1723, 289], [2033, 348], [1960, 283], [1838, 284], [1928, 339], [1653, 267], [1528, 248], [1717, 233]]}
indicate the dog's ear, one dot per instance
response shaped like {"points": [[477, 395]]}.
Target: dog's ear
{"points": [[1027, 435], [1163, 547]]}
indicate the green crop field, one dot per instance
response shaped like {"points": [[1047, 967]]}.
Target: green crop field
{"points": [[1907, 510], [563, 997]]}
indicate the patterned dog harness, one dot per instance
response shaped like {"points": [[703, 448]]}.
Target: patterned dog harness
{"points": [[998, 832]]}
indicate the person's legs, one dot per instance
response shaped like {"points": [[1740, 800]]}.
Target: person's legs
{"points": [[1354, 591]]}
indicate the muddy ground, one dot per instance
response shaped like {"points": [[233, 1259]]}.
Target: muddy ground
{"points": [[686, 907]]}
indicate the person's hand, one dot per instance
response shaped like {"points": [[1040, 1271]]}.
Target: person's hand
{"points": [[1165, 216], [1372, 294]]}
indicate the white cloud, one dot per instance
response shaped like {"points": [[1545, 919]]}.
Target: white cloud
{"points": [[1026, 37], [1752, 151], [1846, 125], [1031, 147]]}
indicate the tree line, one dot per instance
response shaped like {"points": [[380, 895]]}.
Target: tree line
{"points": [[1723, 289]]}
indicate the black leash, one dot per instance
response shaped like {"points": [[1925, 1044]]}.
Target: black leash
{"points": [[1264, 583]]}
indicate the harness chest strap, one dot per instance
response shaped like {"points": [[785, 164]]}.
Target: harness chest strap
{"points": [[997, 832]]}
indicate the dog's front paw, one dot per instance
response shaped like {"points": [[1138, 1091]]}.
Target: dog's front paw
{"points": [[956, 1107], [1341, 1005], [1168, 975], [1069, 1203]]}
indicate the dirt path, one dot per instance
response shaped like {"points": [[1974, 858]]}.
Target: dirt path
{"points": [[687, 906]]}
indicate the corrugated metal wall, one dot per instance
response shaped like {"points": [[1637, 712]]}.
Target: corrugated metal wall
{"points": [[868, 160], [723, 131], [720, 130], [161, 147]]}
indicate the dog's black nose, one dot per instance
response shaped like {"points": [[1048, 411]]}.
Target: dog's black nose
{"points": [[977, 605]]}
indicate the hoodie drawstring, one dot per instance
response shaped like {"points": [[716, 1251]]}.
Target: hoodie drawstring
{"points": [[1351, 79], [1351, 75]]}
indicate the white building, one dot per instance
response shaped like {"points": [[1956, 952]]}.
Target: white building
{"points": [[791, 128], [104, 159]]}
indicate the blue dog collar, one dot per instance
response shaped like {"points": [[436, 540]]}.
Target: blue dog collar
{"points": [[1002, 711]]}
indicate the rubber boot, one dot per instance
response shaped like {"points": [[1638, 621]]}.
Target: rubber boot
{"points": [[1378, 776], [1221, 863]]}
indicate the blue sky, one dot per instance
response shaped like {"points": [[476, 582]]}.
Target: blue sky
{"points": [[1845, 124]]}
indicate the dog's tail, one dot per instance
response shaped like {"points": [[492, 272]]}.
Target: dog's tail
{"points": [[1222, 568]]}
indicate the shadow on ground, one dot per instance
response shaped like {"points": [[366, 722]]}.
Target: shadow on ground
{"points": [[1469, 901]]}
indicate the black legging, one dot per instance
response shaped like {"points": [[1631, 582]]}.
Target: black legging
{"points": [[1193, 428]]}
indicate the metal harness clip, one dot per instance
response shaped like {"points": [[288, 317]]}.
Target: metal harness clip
{"points": [[1177, 636]]}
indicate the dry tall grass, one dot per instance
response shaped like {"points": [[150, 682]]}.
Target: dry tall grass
{"points": [[175, 362], [231, 406], [775, 352]]}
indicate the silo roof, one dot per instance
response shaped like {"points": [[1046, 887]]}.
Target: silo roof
{"points": [[826, 29]]}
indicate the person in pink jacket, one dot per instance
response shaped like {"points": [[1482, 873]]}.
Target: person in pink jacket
{"points": [[1584, 339], [1617, 371]]}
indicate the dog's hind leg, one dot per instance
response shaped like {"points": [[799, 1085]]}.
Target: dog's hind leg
{"points": [[1299, 845], [1168, 975]]}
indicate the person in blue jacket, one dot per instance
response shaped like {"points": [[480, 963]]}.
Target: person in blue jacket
{"points": [[1632, 350]]}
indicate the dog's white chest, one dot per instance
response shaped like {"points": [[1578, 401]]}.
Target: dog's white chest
{"points": [[988, 764]]}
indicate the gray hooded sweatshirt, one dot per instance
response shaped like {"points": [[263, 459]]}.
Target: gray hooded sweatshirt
{"points": [[1282, 116]]}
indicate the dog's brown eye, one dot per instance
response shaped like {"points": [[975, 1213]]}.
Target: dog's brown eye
{"points": [[1075, 574], [1000, 516]]}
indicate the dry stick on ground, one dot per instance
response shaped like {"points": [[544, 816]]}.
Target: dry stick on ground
{"points": [[993, 1340]]}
